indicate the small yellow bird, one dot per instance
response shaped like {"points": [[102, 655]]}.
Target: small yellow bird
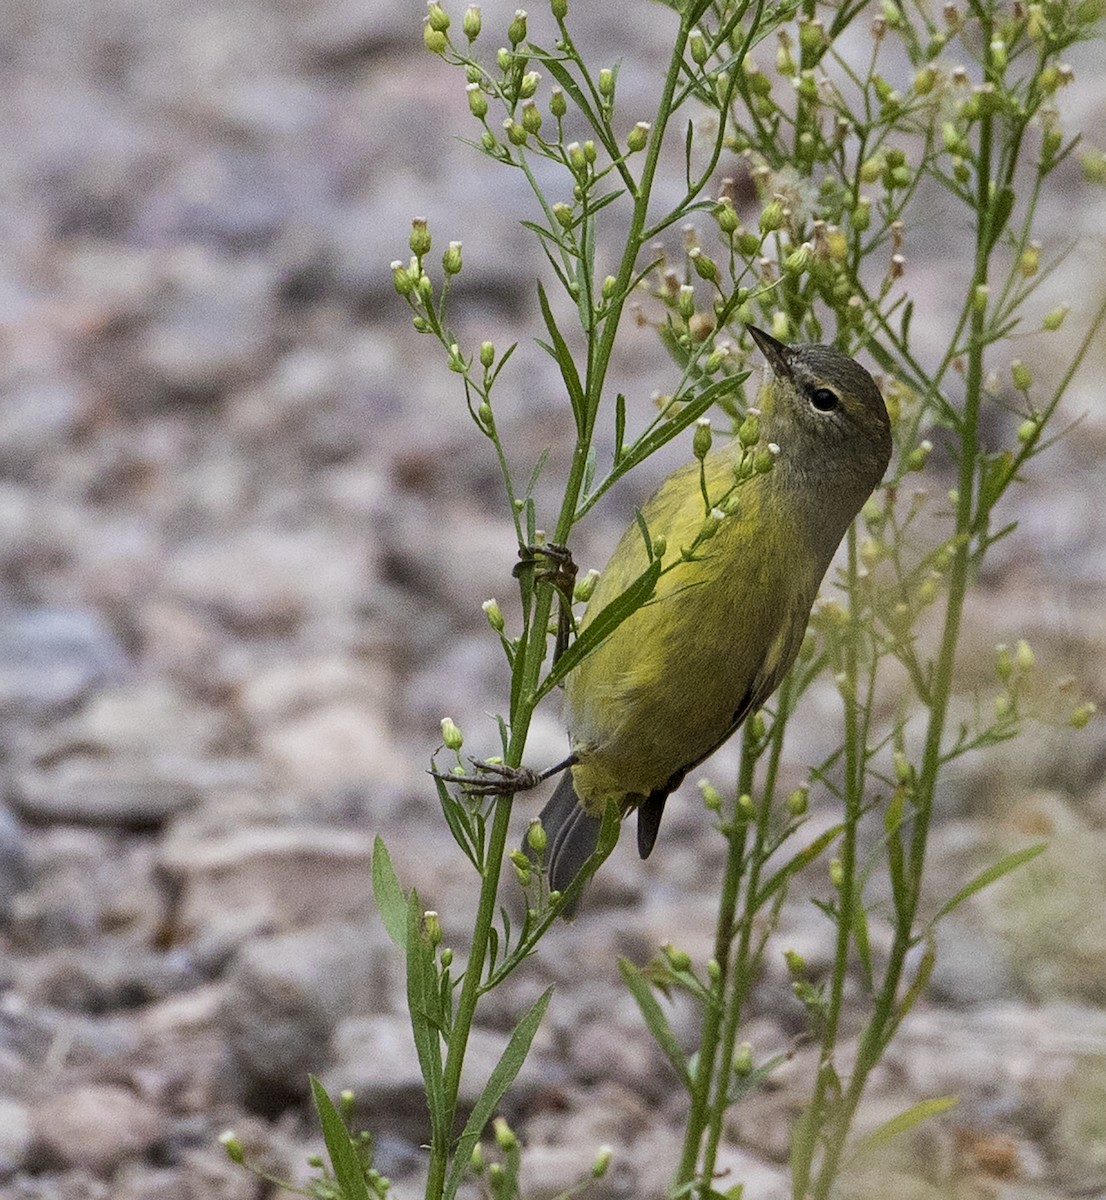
{"points": [[678, 676]]}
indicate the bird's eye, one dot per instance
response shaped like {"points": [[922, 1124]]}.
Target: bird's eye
{"points": [[824, 400]]}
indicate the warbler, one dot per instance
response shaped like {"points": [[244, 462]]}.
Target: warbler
{"points": [[681, 673]]}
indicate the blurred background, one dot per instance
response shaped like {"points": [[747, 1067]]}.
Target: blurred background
{"points": [[246, 526]]}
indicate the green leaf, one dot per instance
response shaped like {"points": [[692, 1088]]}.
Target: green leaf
{"points": [[1000, 213], [804, 1141], [501, 1078], [457, 820], [603, 626], [914, 1115], [796, 863], [339, 1146], [423, 1000], [390, 900], [985, 878], [563, 358], [655, 1020]]}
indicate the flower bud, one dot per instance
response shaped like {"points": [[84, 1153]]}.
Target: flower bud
{"points": [[436, 17], [712, 801], [563, 214], [697, 45], [862, 214], [576, 160], [504, 1136], [531, 117], [924, 81], [233, 1146], [419, 241], [602, 1162], [772, 217], [710, 524], [585, 585], [1023, 655], [1081, 715], [432, 927], [678, 960], [452, 738], [434, 40], [471, 22], [637, 138], [535, 836], [494, 614], [1021, 376], [605, 83], [700, 326], [1055, 319], [559, 9], [685, 302], [872, 168], [726, 215], [798, 801], [871, 552], [451, 259], [485, 415], [1004, 663], [748, 432], [796, 964], [660, 545], [558, 105], [404, 284], [487, 355], [516, 135], [765, 460], [516, 31], [746, 809], [836, 872], [702, 440], [743, 1059], [1030, 261], [478, 102], [528, 85], [705, 267], [919, 456]]}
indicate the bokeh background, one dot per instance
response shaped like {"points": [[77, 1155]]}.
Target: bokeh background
{"points": [[245, 530]]}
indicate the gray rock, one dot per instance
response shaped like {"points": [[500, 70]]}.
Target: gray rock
{"points": [[286, 995], [16, 874], [272, 879], [128, 794], [15, 1135], [52, 658], [375, 1058], [96, 1127]]}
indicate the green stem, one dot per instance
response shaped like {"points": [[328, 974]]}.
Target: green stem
{"points": [[723, 943], [884, 1018]]}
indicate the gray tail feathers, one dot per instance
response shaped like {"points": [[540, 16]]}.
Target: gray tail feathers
{"points": [[571, 835]]}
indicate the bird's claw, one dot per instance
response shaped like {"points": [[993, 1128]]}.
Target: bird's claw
{"points": [[499, 779]]}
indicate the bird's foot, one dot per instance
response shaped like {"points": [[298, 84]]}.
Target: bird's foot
{"points": [[493, 779], [557, 566]]}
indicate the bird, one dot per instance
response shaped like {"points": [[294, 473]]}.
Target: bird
{"points": [[678, 676]]}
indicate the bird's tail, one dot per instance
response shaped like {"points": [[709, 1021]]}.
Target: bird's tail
{"points": [[571, 836]]}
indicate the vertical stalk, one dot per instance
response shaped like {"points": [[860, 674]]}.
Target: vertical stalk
{"points": [[883, 1020]]}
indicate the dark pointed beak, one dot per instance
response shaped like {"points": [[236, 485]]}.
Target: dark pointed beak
{"points": [[777, 354]]}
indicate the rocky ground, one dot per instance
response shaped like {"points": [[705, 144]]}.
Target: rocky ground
{"points": [[245, 530]]}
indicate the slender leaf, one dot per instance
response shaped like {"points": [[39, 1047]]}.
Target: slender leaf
{"points": [[603, 626], [458, 826], [619, 425], [985, 878], [501, 1078], [796, 864], [390, 900], [343, 1154], [422, 1005], [914, 1115], [655, 1019], [563, 358]]}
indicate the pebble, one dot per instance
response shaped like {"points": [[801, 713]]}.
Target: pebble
{"points": [[94, 1127], [50, 659]]}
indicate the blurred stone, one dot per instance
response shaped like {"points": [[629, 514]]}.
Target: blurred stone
{"points": [[15, 1135], [105, 978], [271, 879], [148, 718], [268, 581], [52, 658], [128, 794], [375, 1058], [212, 327], [972, 966], [16, 874], [550, 1171], [286, 995], [95, 1127], [1078, 1139]]}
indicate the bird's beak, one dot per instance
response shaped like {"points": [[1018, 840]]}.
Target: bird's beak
{"points": [[777, 354]]}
